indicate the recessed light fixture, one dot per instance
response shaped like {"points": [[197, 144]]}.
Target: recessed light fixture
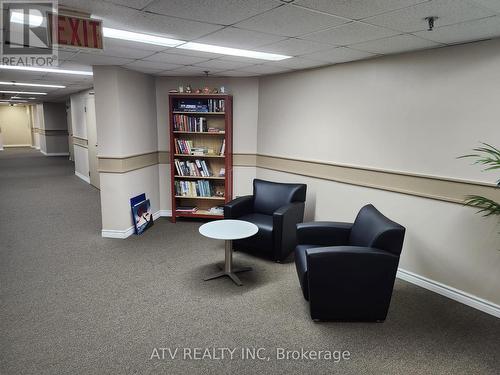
{"points": [[32, 85], [139, 37], [46, 70], [13, 101], [233, 51], [22, 92]]}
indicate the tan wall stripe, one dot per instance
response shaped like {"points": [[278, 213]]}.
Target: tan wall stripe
{"points": [[422, 186], [82, 142], [131, 163], [442, 189]]}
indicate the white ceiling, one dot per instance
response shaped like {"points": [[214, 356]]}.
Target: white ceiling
{"points": [[314, 32]]}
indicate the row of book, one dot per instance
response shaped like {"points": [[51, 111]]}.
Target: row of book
{"points": [[186, 147], [192, 168], [183, 146], [199, 188], [216, 105], [216, 210], [185, 123], [195, 105]]}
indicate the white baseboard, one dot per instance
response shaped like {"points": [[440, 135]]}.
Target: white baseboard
{"points": [[7, 146], [83, 177], [450, 292], [112, 233], [54, 153]]}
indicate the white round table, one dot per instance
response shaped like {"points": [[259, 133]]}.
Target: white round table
{"points": [[229, 230]]}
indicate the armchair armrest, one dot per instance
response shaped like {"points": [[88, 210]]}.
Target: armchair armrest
{"points": [[238, 207], [350, 281], [326, 233], [285, 221]]}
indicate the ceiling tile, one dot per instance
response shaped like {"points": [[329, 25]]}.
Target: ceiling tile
{"points": [[338, 55], [118, 43], [412, 19], [395, 44], [239, 38], [297, 63], [189, 52], [237, 73], [220, 65], [191, 70], [173, 58], [295, 47], [493, 5], [290, 21], [151, 66], [356, 9], [222, 12], [99, 59], [265, 69], [111, 49], [349, 33], [136, 4], [64, 55], [129, 19], [464, 32]]}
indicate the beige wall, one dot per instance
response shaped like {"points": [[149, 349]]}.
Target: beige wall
{"points": [[413, 113], [126, 125], [15, 126]]}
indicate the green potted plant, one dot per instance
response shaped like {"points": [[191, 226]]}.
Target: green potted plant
{"points": [[489, 157]]}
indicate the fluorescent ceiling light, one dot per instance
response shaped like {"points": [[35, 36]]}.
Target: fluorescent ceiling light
{"points": [[45, 70], [13, 101], [32, 85], [22, 92], [139, 37], [233, 51]]}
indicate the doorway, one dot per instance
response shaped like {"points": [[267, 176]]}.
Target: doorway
{"points": [[92, 140]]}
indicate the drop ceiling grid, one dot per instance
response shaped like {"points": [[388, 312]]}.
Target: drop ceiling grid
{"points": [[314, 32]]}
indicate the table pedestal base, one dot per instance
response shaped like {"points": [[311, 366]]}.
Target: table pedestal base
{"points": [[228, 267]]}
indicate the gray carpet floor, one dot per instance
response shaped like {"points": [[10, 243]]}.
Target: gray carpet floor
{"points": [[75, 303]]}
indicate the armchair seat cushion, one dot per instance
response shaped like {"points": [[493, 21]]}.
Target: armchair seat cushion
{"points": [[301, 265], [264, 236]]}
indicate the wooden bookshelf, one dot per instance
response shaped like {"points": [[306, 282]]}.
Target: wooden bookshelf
{"points": [[189, 129]]}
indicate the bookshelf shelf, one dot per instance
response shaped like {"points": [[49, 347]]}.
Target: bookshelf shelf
{"points": [[194, 175], [203, 133], [200, 156], [206, 198], [198, 113], [201, 177]]}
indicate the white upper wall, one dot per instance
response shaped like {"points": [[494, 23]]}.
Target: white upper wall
{"points": [[245, 93], [126, 104], [413, 112]]}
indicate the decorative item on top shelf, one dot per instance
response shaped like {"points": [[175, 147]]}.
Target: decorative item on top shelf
{"points": [[188, 89]]}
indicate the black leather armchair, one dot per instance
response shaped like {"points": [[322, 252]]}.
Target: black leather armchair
{"points": [[275, 208], [347, 271]]}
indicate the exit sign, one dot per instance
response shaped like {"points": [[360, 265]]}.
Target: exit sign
{"points": [[77, 32]]}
